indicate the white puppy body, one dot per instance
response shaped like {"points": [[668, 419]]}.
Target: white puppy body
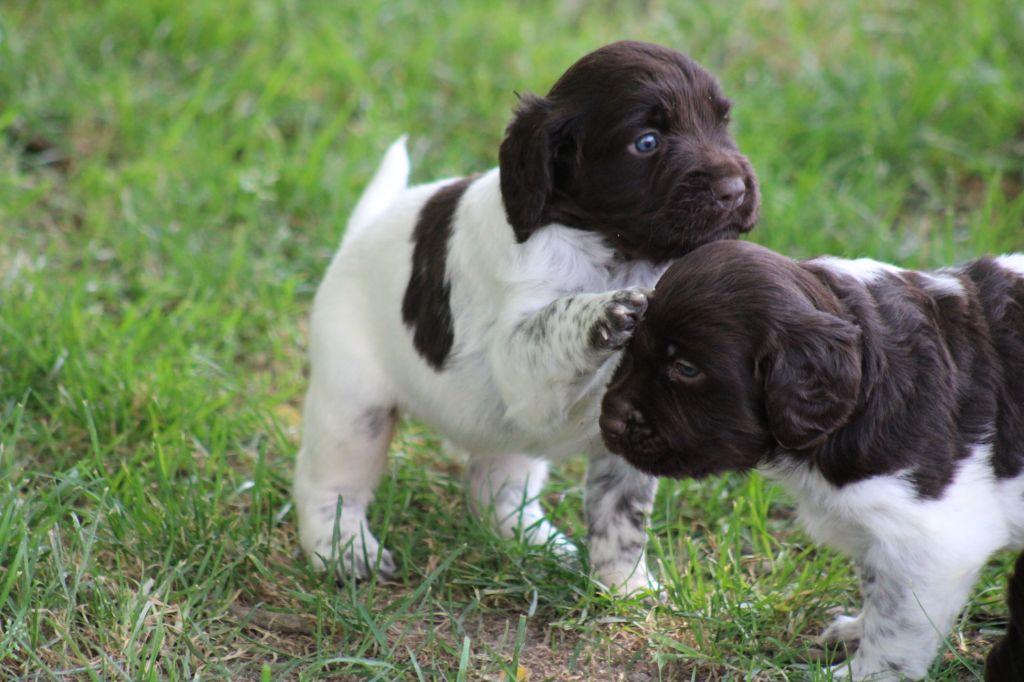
{"points": [[492, 308], [517, 386]]}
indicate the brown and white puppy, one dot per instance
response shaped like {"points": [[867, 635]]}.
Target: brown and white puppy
{"points": [[492, 307], [889, 402]]}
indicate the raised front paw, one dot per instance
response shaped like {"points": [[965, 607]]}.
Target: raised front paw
{"points": [[618, 318]]}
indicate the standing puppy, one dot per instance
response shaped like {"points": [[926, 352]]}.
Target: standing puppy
{"points": [[491, 307], [890, 402]]}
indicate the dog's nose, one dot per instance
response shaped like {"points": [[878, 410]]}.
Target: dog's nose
{"points": [[614, 416], [729, 192], [612, 424]]}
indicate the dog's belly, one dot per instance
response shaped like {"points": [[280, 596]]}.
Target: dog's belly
{"points": [[464, 404], [975, 515], [474, 417]]}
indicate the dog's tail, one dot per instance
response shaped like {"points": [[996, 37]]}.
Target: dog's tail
{"points": [[1006, 660], [391, 178]]}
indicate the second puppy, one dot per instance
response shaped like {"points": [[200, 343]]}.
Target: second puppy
{"points": [[491, 307], [890, 402]]}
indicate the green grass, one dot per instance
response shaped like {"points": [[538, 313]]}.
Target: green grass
{"points": [[174, 176]]}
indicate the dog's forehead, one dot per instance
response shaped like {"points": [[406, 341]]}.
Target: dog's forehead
{"points": [[677, 321], [637, 71]]}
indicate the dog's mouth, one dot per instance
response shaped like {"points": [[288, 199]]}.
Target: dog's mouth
{"points": [[652, 454], [637, 443], [649, 454], [699, 218], [633, 436]]}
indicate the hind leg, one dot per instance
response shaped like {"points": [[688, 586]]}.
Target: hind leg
{"points": [[347, 430], [507, 489]]}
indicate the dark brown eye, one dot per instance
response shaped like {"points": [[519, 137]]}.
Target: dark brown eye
{"points": [[725, 111], [681, 370]]}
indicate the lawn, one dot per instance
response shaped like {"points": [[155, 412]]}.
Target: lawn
{"points": [[174, 176]]}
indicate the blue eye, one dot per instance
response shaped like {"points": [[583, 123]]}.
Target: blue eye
{"points": [[646, 143]]}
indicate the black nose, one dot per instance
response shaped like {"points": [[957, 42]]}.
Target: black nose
{"points": [[614, 420], [612, 424], [729, 192], [619, 417]]}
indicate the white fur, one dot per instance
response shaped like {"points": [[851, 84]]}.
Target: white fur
{"points": [[1013, 261], [867, 270], [864, 269], [943, 284], [503, 396], [925, 555]]}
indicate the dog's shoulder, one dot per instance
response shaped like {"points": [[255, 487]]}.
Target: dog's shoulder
{"points": [[930, 387]]}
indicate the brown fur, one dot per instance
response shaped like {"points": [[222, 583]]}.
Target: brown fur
{"points": [[799, 360], [569, 157]]}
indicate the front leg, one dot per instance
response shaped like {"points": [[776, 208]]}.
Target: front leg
{"points": [[908, 611], [618, 503], [552, 359], [849, 629]]}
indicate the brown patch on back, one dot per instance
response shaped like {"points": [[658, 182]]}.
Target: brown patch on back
{"points": [[425, 307]]}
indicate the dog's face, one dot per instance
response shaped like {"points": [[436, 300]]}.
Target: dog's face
{"points": [[633, 142], [738, 353]]}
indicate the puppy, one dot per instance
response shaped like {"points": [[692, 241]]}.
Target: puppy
{"points": [[491, 307], [889, 402]]}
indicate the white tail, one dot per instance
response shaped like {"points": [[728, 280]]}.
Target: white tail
{"points": [[391, 178]]}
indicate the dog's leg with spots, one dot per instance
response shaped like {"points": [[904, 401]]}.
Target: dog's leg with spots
{"points": [[551, 361], [549, 364], [619, 499], [849, 629], [908, 611]]}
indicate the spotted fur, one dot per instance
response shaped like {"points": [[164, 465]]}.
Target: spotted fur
{"points": [[889, 402]]}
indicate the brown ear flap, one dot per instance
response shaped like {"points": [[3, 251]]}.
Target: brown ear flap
{"points": [[526, 163], [812, 374]]}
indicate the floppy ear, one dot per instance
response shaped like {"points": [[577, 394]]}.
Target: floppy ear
{"points": [[812, 374], [526, 162]]}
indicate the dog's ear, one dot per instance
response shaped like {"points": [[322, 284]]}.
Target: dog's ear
{"points": [[526, 159], [812, 375]]}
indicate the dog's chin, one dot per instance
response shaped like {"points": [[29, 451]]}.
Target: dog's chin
{"points": [[661, 251], [729, 230], [654, 455], [649, 455], [729, 226]]}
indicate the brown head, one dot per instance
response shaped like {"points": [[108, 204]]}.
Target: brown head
{"points": [[741, 351], [632, 142]]}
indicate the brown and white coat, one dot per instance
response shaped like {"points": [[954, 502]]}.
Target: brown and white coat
{"points": [[492, 307], [890, 402]]}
